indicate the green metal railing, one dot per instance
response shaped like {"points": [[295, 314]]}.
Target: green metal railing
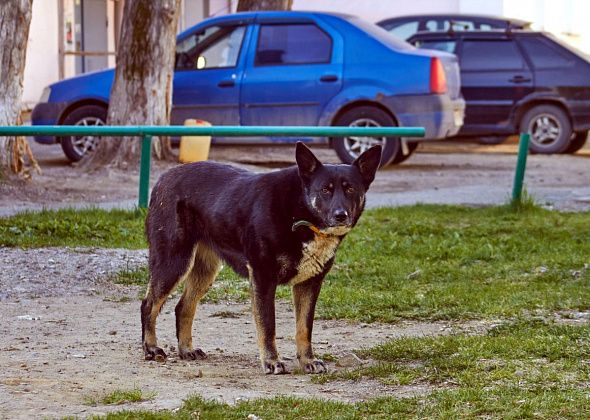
{"points": [[147, 132], [523, 151]]}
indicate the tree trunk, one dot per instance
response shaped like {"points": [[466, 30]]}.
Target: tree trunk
{"points": [[253, 5], [15, 19], [142, 90]]}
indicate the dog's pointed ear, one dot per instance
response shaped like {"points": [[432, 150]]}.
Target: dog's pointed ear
{"points": [[368, 163], [306, 161]]}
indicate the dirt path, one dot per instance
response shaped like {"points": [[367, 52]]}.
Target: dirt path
{"points": [[451, 172], [70, 335]]}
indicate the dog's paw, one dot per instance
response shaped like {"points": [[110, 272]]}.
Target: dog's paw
{"points": [[196, 354], [314, 366], [274, 367], [154, 353]]}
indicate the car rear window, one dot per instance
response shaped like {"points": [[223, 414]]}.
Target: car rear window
{"points": [[292, 44], [448, 45], [491, 55], [404, 30], [379, 34], [543, 55]]}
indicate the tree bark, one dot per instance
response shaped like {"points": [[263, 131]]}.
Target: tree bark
{"points": [[142, 89], [15, 19], [253, 5]]}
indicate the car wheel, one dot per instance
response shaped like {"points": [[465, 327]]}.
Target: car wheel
{"points": [[400, 157], [491, 140], [349, 148], [577, 141], [549, 127], [75, 147]]}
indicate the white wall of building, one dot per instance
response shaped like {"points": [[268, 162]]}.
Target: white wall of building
{"points": [[42, 62]]}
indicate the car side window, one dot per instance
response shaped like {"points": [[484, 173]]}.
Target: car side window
{"points": [[491, 55], [215, 47], [543, 55], [404, 30], [292, 44]]}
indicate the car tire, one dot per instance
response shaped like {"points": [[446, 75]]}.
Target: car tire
{"points": [[349, 148], [400, 157], [549, 127], [577, 141], [75, 147]]}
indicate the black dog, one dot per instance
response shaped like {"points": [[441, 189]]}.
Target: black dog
{"points": [[276, 228]]}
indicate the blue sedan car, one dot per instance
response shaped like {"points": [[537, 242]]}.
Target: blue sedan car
{"points": [[286, 68]]}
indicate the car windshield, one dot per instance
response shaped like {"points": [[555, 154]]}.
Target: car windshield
{"points": [[380, 34]]}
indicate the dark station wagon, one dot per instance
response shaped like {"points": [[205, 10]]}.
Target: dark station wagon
{"points": [[520, 80]]}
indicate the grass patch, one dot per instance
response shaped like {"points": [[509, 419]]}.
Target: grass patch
{"points": [[526, 354], [442, 262], [131, 276], [118, 397], [526, 368], [421, 262], [91, 227], [494, 403]]}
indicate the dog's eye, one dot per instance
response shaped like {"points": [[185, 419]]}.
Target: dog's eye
{"points": [[349, 190], [326, 190]]}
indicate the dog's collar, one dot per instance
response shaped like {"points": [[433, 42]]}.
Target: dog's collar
{"points": [[311, 226]]}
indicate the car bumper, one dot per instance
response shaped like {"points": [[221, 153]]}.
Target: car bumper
{"points": [[47, 113], [440, 115]]}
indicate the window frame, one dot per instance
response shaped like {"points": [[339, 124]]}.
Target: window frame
{"points": [[256, 63]]}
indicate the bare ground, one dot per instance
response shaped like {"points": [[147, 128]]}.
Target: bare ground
{"points": [[70, 335], [449, 172]]}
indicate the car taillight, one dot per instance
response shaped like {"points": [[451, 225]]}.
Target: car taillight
{"points": [[438, 80]]}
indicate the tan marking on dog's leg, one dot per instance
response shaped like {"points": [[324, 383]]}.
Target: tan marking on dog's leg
{"points": [[305, 296], [302, 332], [150, 339], [201, 273], [263, 312]]}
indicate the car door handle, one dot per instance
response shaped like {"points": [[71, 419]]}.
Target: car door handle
{"points": [[520, 79], [329, 78], [226, 83]]}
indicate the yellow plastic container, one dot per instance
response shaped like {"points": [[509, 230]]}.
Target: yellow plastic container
{"points": [[194, 148]]}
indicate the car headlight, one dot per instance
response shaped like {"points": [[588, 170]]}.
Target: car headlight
{"points": [[45, 95]]}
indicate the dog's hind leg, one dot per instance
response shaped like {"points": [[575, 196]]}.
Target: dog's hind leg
{"points": [[164, 276], [198, 278]]}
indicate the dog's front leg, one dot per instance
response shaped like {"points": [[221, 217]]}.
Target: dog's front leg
{"points": [[305, 296], [263, 309]]}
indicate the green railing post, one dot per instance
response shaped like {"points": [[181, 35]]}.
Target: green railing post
{"points": [[144, 170], [523, 150]]}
